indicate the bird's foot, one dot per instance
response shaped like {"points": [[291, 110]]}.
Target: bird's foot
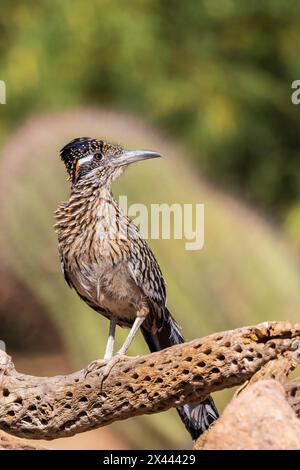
{"points": [[104, 373], [95, 367]]}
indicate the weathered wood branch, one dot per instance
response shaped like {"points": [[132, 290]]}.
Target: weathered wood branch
{"points": [[258, 418], [47, 408], [8, 442], [263, 412]]}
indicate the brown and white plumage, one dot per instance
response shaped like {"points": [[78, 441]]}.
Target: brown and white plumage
{"points": [[104, 257], [108, 263]]}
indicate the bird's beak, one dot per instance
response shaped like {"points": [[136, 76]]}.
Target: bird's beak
{"points": [[131, 156]]}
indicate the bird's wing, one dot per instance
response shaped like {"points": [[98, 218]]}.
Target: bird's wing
{"points": [[146, 273], [64, 269]]}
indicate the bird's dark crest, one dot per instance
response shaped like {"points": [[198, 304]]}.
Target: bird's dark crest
{"points": [[77, 148]]}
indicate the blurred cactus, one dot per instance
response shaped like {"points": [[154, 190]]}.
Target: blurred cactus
{"points": [[292, 225], [244, 274]]}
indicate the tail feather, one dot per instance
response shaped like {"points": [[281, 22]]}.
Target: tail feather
{"points": [[197, 418]]}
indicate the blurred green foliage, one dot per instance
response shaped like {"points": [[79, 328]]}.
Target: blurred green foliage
{"points": [[216, 73]]}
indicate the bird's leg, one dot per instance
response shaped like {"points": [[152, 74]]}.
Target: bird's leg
{"points": [[111, 340], [134, 329], [108, 350]]}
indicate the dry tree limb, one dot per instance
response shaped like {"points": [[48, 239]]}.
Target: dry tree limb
{"points": [[258, 418], [292, 388], [282, 367], [47, 408], [279, 370], [260, 414], [8, 442]]}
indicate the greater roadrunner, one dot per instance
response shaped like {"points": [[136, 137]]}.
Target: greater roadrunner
{"points": [[109, 264]]}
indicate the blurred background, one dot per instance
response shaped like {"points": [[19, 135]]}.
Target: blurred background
{"points": [[208, 84]]}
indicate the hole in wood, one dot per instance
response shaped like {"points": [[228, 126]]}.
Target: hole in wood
{"points": [[198, 378], [201, 364], [31, 408], [27, 419]]}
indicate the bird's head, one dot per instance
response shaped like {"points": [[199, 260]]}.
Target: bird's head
{"points": [[83, 155]]}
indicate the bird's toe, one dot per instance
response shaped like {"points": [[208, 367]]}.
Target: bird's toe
{"points": [[95, 367]]}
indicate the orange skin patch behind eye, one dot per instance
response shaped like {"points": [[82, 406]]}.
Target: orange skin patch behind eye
{"points": [[77, 166]]}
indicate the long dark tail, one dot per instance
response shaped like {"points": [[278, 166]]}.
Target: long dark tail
{"points": [[196, 417]]}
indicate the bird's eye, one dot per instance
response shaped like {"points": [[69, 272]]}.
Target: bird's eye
{"points": [[98, 156]]}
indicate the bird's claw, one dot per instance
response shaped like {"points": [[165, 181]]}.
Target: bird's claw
{"points": [[104, 373], [94, 366]]}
